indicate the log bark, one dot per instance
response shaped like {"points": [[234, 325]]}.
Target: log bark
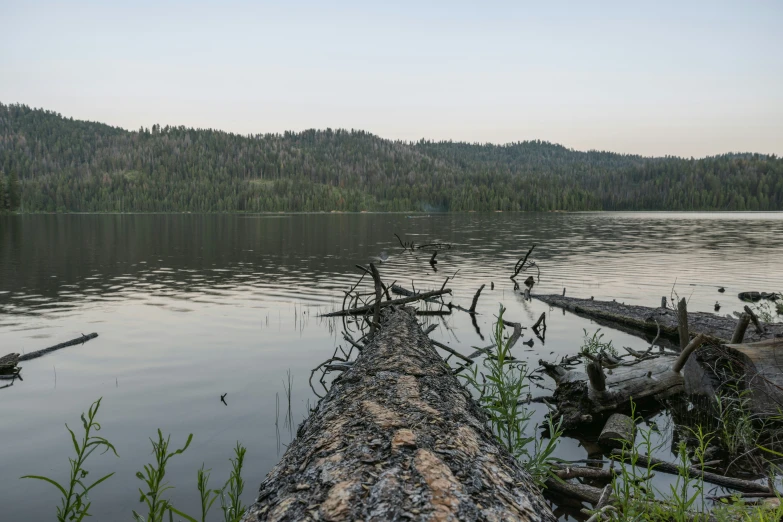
{"points": [[739, 332], [376, 315], [79, 340], [682, 323], [397, 289], [637, 319], [397, 438], [393, 302], [761, 365], [475, 300], [8, 362], [582, 492], [618, 428], [712, 478], [686, 352], [596, 376], [755, 319]]}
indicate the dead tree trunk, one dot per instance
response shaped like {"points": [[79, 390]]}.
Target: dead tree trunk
{"points": [[364, 309], [397, 438], [79, 340], [682, 320]]}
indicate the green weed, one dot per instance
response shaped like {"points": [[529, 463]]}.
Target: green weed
{"points": [[230, 501], [502, 387], [154, 480], [594, 344], [736, 431], [75, 504]]}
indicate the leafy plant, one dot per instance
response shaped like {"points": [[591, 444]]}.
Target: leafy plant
{"points": [[230, 501], [765, 312], [206, 495], [503, 385], [633, 490], [594, 344], [75, 504], [153, 478]]}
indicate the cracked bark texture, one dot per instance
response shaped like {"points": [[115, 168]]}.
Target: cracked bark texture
{"points": [[717, 329], [398, 438]]}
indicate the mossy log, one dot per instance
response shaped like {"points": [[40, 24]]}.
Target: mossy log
{"points": [[717, 329], [397, 438]]}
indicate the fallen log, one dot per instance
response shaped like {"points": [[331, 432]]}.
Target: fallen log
{"points": [[717, 329], [578, 491], [758, 296], [79, 340], [618, 430], [761, 367], [8, 363], [682, 323], [712, 478], [397, 437], [384, 304], [581, 395], [585, 472]]}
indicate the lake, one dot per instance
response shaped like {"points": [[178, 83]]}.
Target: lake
{"points": [[191, 307]]}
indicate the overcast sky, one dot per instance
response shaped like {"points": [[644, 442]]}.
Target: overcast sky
{"points": [[684, 78]]}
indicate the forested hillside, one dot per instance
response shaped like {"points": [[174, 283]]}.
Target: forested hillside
{"points": [[64, 164]]}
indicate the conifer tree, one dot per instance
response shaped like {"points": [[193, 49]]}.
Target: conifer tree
{"points": [[3, 202], [13, 193]]}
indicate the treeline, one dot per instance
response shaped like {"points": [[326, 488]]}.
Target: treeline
{"points": [[10, 193], [69, 165]]}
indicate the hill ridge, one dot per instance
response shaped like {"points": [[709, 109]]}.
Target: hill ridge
{"points": [[66, 164]]}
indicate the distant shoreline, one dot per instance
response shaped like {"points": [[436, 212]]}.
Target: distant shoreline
{"points": [[412, 212]]}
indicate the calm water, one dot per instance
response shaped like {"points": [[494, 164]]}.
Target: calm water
{"points": [[188, 307]]}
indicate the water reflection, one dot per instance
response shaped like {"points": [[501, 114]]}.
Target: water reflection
{"points": [[189, 307]]}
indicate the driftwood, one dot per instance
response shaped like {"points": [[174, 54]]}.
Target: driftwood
{"points": [[580, 396], [682, 323], [475, 300], [396, 438], [758, 296], [582, 492], [8, 363], [755, 319], [761, 366], [399, 290], [712, 478], [521, 264], [394, 302], [618, 428], [718, 329], [79, 340], [739, 331]]}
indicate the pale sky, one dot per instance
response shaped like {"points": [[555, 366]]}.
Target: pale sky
{"points": [[685, 78]]}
